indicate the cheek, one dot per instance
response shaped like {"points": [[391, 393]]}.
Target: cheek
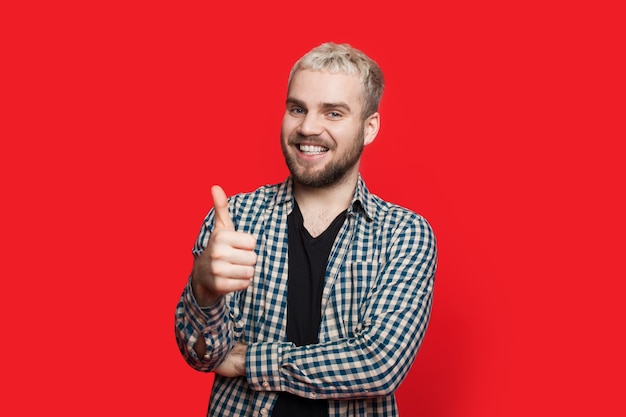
{"points": [[286, 127], [345, 135]]}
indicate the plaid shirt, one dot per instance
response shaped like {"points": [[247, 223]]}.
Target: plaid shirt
{"points": [[375, 309]]}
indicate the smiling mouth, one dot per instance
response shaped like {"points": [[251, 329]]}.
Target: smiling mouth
{"points": [[312, 149]]}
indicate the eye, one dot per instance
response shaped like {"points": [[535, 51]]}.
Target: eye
{"points": [[296, 110], [334, 114]]}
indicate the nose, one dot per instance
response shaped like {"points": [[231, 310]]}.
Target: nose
{"points": [[310, 125]]}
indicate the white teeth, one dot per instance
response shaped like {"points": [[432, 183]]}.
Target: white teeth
{"points": [[312, 149]]}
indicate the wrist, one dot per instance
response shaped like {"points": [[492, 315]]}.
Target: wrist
{"points": [[203, 297], [241, 358]]}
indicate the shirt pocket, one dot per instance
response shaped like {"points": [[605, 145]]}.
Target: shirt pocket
{"points": [[357, 286]]}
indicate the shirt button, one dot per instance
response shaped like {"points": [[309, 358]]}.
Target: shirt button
{"points": [[264, 411], [313, 395], [265, 384]]}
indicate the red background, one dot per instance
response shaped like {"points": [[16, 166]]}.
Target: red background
{"points": [[502, 123]]}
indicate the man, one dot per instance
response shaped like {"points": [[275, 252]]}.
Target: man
{"points": [[311, 297]]}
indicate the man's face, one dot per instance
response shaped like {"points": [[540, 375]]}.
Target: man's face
{"points": [[322, 133]]}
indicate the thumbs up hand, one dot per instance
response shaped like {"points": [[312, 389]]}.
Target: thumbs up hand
{"points": [[227, 263]]}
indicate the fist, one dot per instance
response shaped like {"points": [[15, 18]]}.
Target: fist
{"points": [[227, 263]]}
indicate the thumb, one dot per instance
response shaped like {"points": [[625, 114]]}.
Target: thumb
{"points": [[220, 204]]}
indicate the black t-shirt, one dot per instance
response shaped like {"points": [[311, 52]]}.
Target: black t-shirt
{"points": [[308, 258]]}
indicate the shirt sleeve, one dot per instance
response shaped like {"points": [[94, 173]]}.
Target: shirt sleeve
{"points": [[212, 323], [193, 322], [376, 358]]}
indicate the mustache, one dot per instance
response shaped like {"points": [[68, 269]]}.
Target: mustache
{"points": [[310, 140]]}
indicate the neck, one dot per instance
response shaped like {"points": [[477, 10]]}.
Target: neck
{"points": [[320, 205]]}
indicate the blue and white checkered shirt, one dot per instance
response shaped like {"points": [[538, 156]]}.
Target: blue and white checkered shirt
{"points": [[375, 310]]}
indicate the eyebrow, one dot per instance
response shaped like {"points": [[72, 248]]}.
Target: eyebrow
{"points": [[322, 106]]}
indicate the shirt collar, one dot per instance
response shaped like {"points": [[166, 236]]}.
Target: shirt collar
{"points": [[362, 200]]}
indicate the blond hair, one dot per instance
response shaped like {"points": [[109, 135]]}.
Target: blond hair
{"points": [[344, 58]]}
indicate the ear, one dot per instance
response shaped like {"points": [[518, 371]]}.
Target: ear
{"points": [[370, 128]]}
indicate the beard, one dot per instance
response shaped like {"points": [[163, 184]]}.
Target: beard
{"points": [[334, 171]]}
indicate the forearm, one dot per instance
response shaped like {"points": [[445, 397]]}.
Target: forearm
{"points": [[369, 364]]}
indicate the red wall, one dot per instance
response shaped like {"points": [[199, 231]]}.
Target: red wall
{"points": [[502, 125]]}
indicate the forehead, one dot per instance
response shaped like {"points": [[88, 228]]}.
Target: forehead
{"points": [[318, 87]]}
